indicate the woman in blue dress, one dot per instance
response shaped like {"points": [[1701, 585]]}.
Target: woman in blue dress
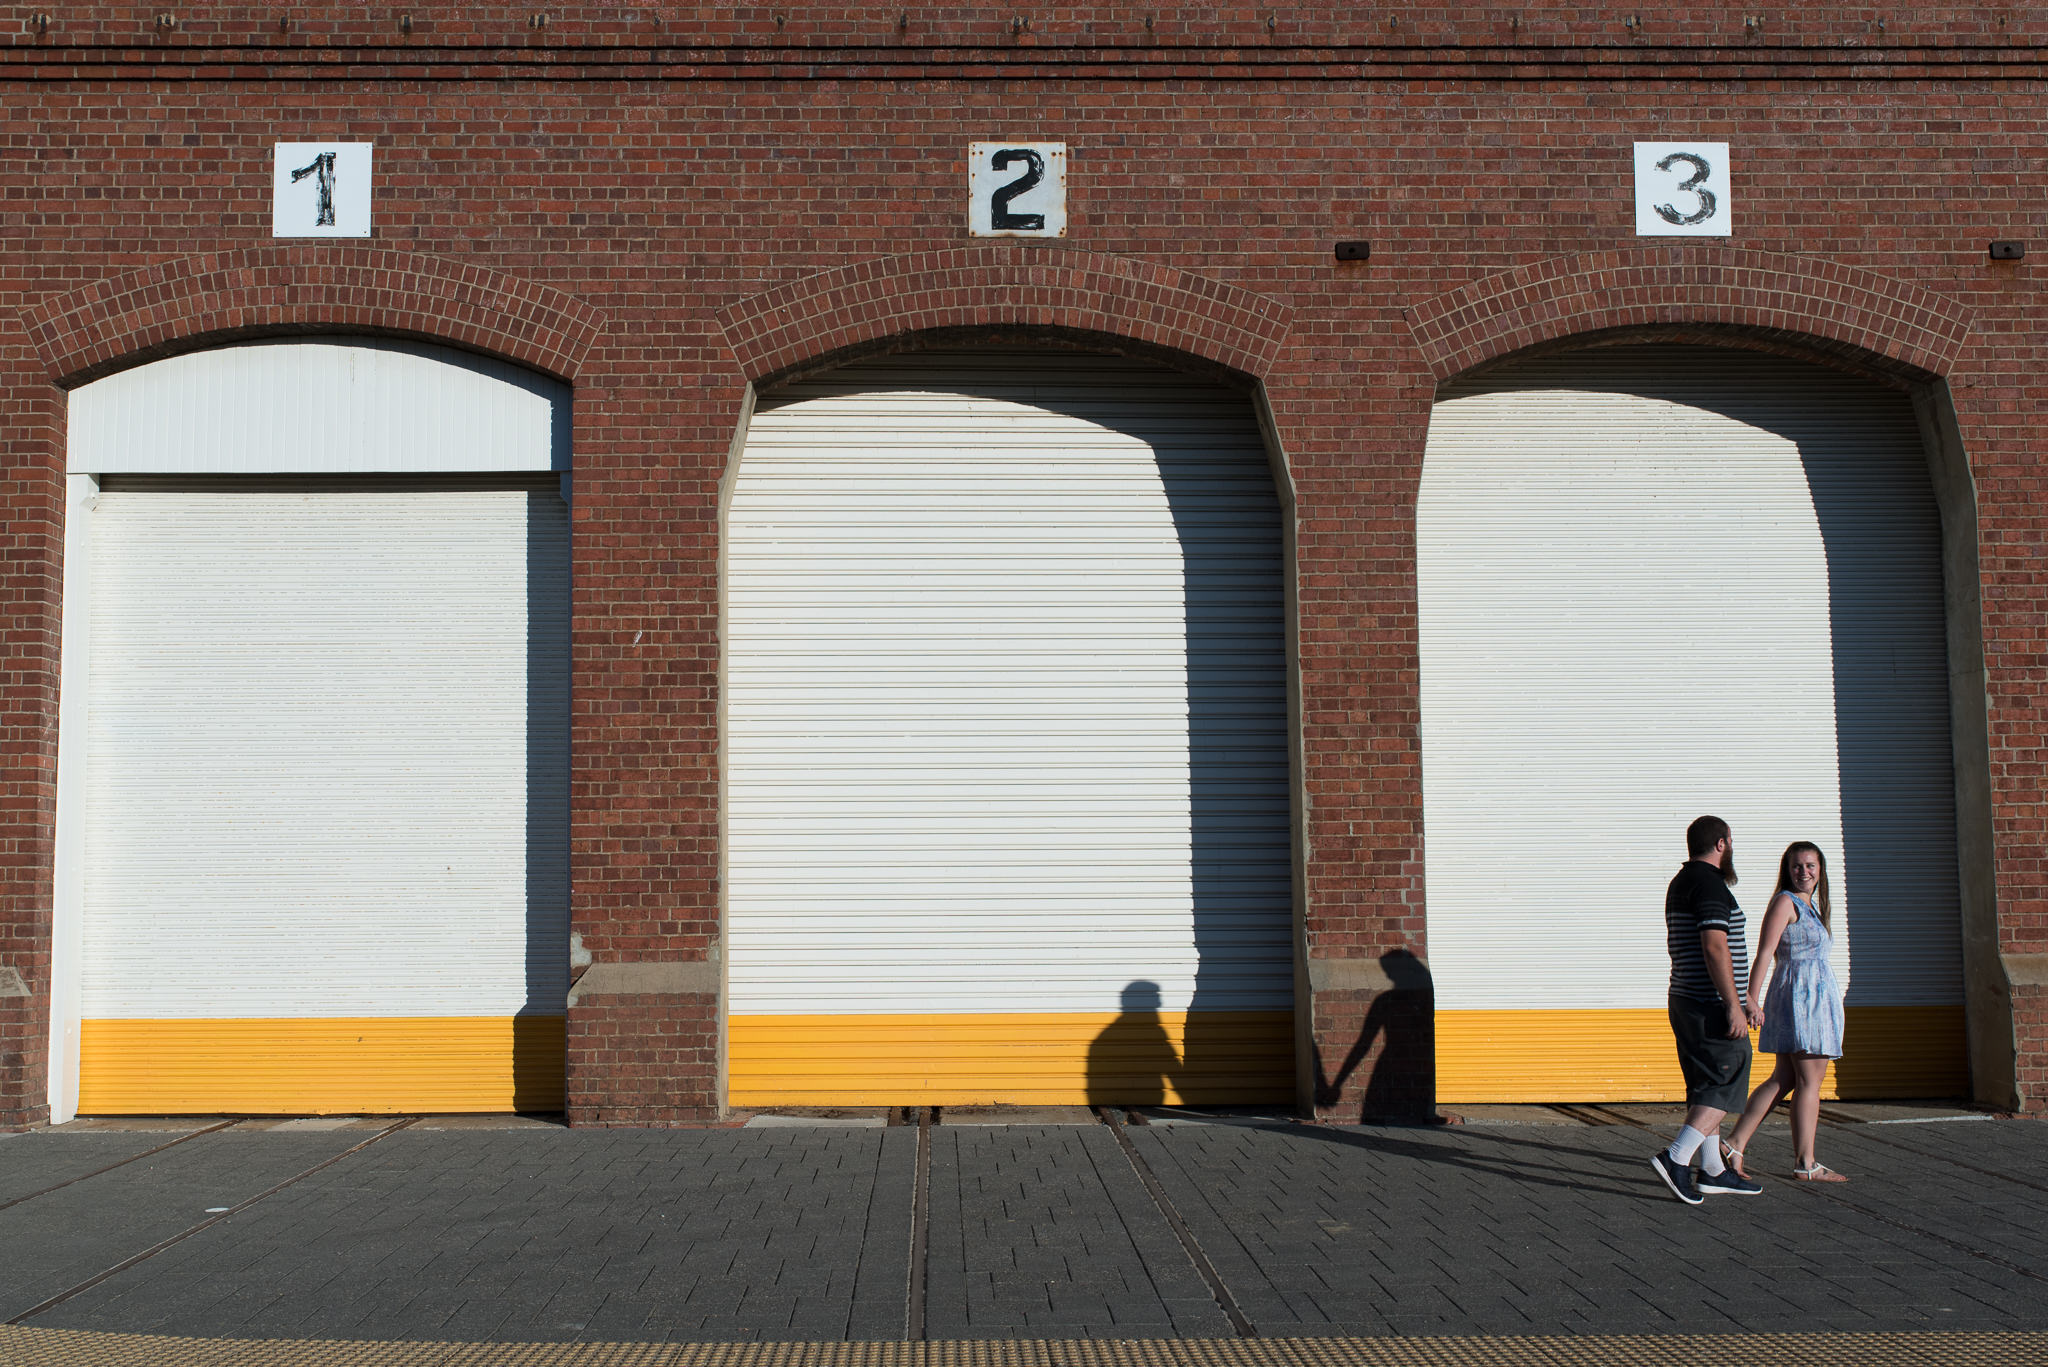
{"points": [[1802, 1009]]}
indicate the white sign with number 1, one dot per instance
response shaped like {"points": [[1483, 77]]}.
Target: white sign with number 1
{"points": [[1682, 190], [321, 189]]}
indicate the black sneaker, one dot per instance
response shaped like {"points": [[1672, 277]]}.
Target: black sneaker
{"points": [[1727, 1183], [1678, 1178]]}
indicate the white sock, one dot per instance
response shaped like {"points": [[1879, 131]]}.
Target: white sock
{"points": [[1710, 1156], [1685, 1146]]}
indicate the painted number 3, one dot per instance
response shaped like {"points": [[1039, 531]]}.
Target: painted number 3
{"points": [[1695, 185]]}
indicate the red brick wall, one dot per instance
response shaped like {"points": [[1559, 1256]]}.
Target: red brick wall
{"points": [[641, 1060], [1248, 31], [666, 202], [116, 321]]}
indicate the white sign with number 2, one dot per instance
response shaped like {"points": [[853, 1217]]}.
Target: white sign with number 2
{"points": [[1682, 190], [1017, 189]]}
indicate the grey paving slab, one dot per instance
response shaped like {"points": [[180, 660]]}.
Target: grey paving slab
{"points": [[539, 1234], [36, 1159], [802, 1233], [56, 1241], [1947, 1189], [1043, 1230], [1544, 1230]]}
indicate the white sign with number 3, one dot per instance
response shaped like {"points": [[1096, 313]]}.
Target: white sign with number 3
{"points": [[1682, 190], [321, 189]]}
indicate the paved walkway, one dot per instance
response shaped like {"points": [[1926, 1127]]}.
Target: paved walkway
{"points": [[1195, 1230]]}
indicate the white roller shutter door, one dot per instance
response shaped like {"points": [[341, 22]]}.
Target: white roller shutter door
{"points": [[1657, 582], [315, 790], [1007, 711], [321, 740]]}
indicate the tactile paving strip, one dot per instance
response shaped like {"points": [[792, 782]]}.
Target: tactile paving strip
{"points": [[76, 1348]]}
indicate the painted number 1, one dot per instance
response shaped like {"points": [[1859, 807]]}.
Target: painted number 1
{"points": [[323, 168]]}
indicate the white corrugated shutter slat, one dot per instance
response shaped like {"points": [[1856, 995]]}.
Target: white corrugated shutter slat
{"points": [[1006, 702], [301, 406], [1661, 581], [327, 749]]}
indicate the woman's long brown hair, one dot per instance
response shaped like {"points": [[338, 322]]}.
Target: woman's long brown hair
{"points": [[1820, 889]]}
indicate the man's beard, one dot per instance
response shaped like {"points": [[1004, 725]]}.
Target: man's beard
{"points": [[1728, 868]]}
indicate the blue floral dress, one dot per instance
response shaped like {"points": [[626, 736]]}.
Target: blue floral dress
{"points": [[1802, 1003]]}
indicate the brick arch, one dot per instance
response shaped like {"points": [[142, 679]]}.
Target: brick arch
{"points": [[1798, 301], [994, 287], [193, 301]]}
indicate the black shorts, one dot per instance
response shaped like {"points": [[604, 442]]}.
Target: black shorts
{"points": [[1716, 1068]]}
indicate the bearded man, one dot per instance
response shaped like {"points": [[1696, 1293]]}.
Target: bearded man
{"points": [[1710, 1020]]}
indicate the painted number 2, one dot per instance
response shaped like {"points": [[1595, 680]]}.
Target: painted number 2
{"points": [[1682, 190], [1696, 184], [999, 202], [1017, 189]]}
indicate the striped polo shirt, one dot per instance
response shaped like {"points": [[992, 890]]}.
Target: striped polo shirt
{"points": [[1699, 900]]}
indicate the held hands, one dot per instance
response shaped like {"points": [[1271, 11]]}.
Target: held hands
{"points": [[1756, 1017], [1738, 1022]]}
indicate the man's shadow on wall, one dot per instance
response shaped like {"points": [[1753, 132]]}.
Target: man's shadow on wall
{"points": [[1132, 1061], [1401, 1084]]}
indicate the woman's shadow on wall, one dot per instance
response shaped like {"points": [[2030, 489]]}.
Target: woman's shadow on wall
{"points": [[1133, 1061], [1400, 1082]]}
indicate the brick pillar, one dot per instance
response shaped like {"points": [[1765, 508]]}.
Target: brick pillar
{"points": [[2030, 1030], [643, 1059], [31, 590], [1376, 1032]]}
